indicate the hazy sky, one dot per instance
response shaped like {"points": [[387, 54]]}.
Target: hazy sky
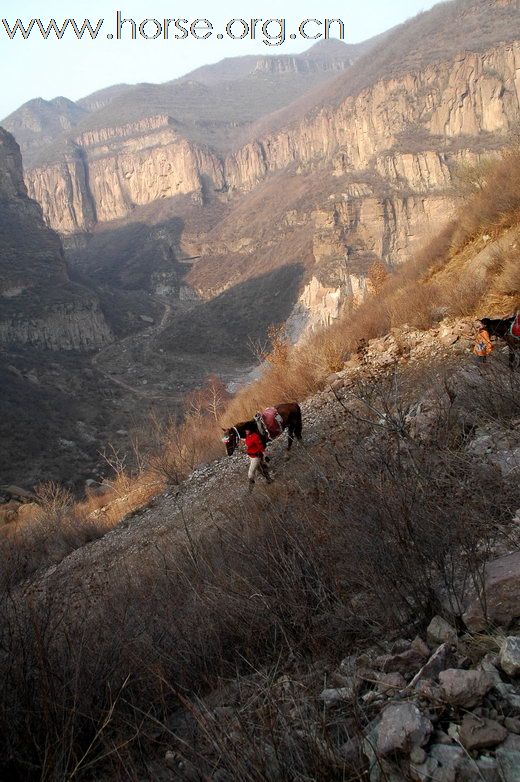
{"points": [[74, 68]]}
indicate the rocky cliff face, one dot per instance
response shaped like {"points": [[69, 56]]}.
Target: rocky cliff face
{"points": [[377, 130], [39, 306], [111, 171], [383, 153]]}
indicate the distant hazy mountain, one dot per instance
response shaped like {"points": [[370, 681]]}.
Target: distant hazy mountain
{"points": [[212, 105]]}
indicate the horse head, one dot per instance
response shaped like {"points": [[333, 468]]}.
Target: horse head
{"points": [[230, 440]]}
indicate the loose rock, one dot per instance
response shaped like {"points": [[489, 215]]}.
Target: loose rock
{"points": [[476, 733], [433, 667], [402, 728], [502, 590], [440, 631], [391, 683], [510, 656], [509, 765], [465, 688], [339, 695], [512, 724], [421, 646], [406, 662]]}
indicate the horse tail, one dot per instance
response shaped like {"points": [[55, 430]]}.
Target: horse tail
{"points": [[298, 424]]}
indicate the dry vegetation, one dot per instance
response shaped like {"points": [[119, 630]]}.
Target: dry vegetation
{"points": [[442, 281], [356, 546]]}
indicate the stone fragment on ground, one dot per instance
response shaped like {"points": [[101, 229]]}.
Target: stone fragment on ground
{"points": [[508, 764], [402, 728], [434, 666], [440, 631], [331, 697], [465, 688], [391, 683], [481, 733], [403, 663], [510, 656]]}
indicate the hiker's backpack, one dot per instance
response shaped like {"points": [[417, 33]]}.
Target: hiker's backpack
{"points": [[515, 328]]}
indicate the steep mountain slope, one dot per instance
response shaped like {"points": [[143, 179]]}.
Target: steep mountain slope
{"points": [[355, 172], [40, 306], [402, 133], [38, 122], [51, 404], [288, 224]]}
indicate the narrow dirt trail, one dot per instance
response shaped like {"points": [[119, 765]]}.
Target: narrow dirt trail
{"points": [[125, 344]]}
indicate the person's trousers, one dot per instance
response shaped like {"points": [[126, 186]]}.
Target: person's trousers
{"points": [[257, 464]]}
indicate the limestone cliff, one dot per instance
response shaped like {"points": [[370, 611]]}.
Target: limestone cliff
{"points": [[381, 144], [463, 100], [111, 171], [39, 306]]}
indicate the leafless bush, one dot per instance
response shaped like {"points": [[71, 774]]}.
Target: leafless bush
{"points": [[495, 203], [462, 297], [370, 531], [180, 447]]}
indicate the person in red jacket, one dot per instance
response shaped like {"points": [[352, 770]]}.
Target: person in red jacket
{"points": [[256, 451]]}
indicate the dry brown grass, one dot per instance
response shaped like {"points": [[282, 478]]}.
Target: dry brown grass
{"points": [[182, 447], [440, 281], [494, 202], [56, 525], [507, 281], [354, 548]]}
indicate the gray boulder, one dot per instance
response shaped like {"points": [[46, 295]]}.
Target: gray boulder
{"points": [[402, 728], [450, 763], [510, 656], [509, 765], [440, 631], [465, 688]]}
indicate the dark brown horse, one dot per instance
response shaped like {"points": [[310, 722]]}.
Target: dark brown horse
{"points": [[291, 419], [502, 328]]}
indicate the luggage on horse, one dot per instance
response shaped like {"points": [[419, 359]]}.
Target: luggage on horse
{"points": [[515, 327], [269, 423]]}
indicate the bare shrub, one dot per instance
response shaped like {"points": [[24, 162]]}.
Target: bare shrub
{"points": [[414, 304], [377, 276], [462, 296], [358, 543], [180, 447], [495, 203], [508, 280]]}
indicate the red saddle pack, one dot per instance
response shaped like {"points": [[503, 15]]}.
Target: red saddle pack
{"points": [[515, 328], [272, 422]]}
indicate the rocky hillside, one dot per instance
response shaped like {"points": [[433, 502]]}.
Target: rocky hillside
{"points": [[304, 614], [213, 105]]}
